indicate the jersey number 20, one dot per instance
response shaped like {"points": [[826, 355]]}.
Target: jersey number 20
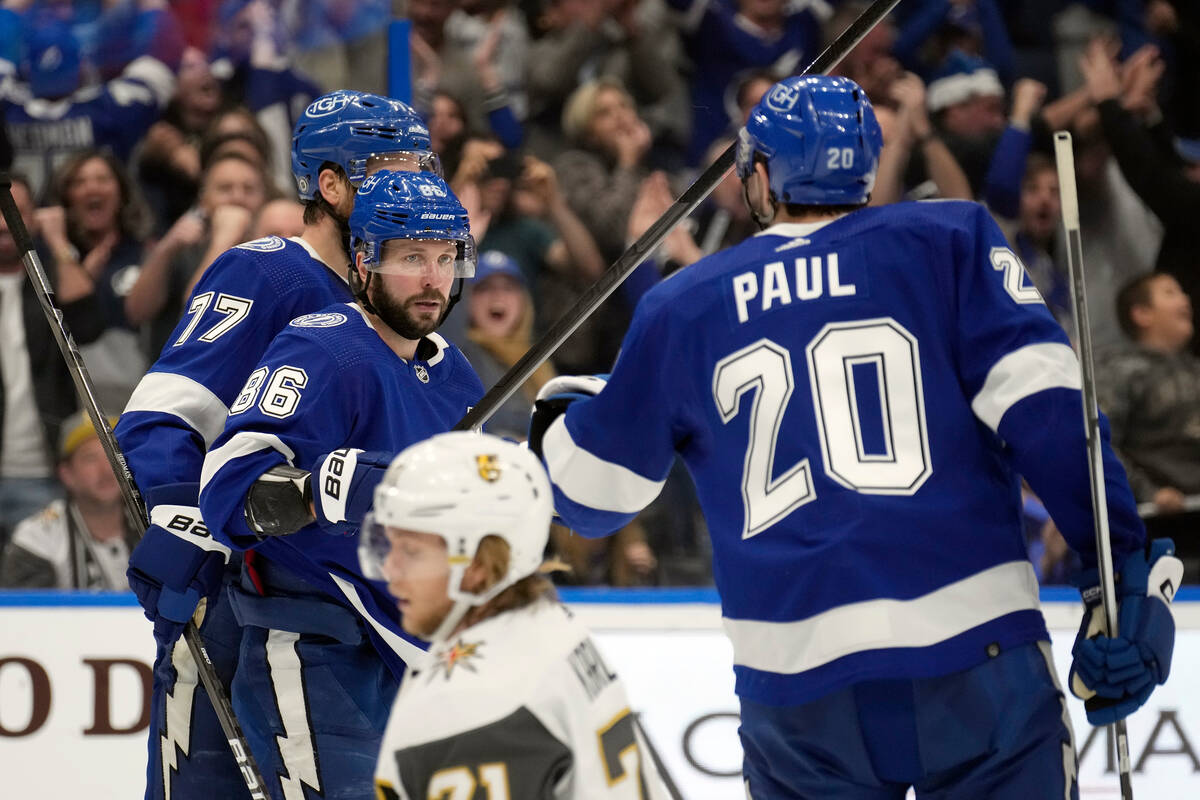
{"points": [[840, 358]]}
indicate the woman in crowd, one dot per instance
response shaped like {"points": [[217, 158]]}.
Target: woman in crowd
{"points": [[96, 236]]}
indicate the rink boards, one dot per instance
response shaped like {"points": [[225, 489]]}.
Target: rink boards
{"points": [[75, 673]]}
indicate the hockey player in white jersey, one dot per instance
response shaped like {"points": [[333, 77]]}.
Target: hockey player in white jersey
{"points": [[514, 696], [857, 393]]}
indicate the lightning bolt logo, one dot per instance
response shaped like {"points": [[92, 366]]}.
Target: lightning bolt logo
{"points": [[297, 749], [178, 711]]}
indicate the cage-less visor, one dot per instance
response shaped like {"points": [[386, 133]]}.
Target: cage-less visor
{"points": [[398, 160], [416, 256]]}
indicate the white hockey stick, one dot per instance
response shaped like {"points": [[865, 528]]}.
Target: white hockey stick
{"points": [[1065, 160]]}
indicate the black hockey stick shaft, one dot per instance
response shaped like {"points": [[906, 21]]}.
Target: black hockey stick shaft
{"points": [[661, 768], [646, 244], [1065, 160], [135, 507]]}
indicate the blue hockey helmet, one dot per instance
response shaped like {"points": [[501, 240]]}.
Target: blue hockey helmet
{"points": [[350, 128], [408, 205], [820, 139]]}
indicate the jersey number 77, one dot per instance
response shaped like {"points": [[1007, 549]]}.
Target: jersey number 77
{"points": [[882, 450]]}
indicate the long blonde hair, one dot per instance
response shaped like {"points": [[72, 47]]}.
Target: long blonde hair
{"points": [[493, 555]]}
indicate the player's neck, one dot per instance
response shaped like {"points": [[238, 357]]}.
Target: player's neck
{"points": [[325, 238], [405, 348], [783, 216]]}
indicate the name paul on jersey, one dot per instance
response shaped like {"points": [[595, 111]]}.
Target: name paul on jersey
{"points": [[777, 283]]}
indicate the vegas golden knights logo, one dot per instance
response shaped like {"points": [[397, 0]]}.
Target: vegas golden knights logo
{"points": [[489, 470]]}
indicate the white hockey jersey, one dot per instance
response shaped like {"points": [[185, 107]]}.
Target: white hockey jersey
{"points": [[522, 706]]}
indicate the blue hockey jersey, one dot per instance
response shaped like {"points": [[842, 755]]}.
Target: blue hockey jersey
{"points": [[246, 296], [856, 400], [329, 381], [113, 116], [725, 47]]}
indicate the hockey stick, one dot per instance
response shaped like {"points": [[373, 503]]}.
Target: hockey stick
{"points": [[663, 772], [1068, 192], [135, 508], [646, 244]]}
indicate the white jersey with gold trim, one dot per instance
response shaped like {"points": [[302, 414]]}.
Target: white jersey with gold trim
{"points": [[521, 705]]}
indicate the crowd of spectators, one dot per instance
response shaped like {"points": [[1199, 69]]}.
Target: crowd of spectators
{"points": [[147, 136]]}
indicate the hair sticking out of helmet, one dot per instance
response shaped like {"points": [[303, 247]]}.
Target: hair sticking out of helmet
{"points": [[819, 138], [355, 130], [463, 487], [406, 205]]}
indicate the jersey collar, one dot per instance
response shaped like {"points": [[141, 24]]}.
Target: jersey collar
{"points": [[431, 349], [796, 229], [308, 248]]}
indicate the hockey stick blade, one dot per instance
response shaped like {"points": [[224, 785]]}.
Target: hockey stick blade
{"points": [[646, 244], [135, 508]]}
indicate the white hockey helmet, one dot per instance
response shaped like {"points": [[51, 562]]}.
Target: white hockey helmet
{"points": [[463, 486]]}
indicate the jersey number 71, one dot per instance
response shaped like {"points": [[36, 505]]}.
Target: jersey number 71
{"points": [[872, 451]]}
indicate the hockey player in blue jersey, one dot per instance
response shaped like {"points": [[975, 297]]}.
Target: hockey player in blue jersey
{"points": [[336, 395], [856, 392], [247, 296]]}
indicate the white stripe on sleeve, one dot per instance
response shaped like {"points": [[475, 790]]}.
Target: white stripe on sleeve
{"points": [[182, 397], [793, 647], [185, 522], [409, 652], [241, 444], [592, 481], [1024, 372]]}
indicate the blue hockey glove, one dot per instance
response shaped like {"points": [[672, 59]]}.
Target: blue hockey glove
{"points": [[343, 487], [1116, 676], [174, 566], [554, 398]]}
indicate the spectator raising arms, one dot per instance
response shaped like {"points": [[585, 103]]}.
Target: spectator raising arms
{"points": [[1144, 153], [97, 236], [36, 393], [233, 189], [729, 37], [51, 117]]}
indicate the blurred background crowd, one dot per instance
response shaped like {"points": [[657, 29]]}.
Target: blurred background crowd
{"points": [[145, 137]]}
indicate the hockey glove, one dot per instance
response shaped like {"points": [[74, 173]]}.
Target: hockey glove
{"points": [[1116, 676], [554, 398], [175, 564], [343, 487]]}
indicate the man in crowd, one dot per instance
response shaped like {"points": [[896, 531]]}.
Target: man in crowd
{"points": [[83, 541]]}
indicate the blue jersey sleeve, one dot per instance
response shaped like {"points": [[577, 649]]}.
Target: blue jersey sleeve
{"points": [[1017, 365], [290, 408], [608, 456]]}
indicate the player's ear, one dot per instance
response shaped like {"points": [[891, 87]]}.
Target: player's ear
{"points": [[333, 186], [359, 266], [475, 578]]}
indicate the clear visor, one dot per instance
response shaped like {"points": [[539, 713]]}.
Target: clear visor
{"points": [[386, 554], [438, 258], [400, 161], [373, 547]]}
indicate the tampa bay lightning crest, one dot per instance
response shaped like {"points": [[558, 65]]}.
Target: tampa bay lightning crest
{"points": [[325, 319], [268, 244]]}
